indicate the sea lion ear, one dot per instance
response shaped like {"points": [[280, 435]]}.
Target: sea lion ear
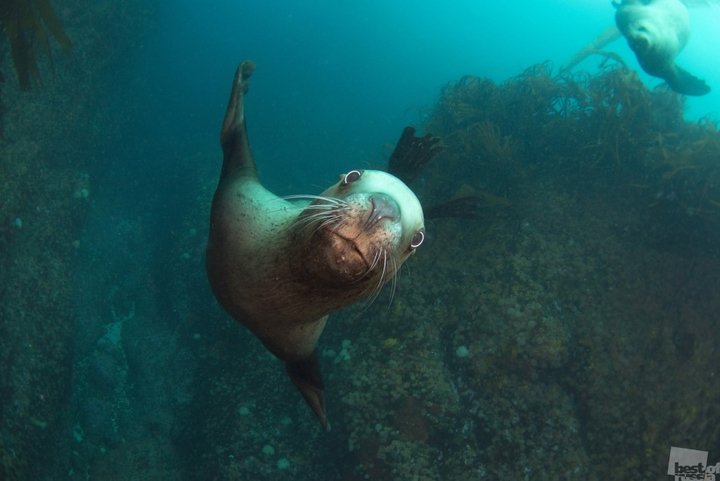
{"points": [[683, 82]]}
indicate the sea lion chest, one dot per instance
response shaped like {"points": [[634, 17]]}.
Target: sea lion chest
{"points": [[256, 267]]}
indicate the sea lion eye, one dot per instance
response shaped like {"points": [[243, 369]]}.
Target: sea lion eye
{"points": [[352, 176], [417, 239]]}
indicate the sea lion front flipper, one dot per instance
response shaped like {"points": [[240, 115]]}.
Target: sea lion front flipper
{"points": [[683, 82], [233, 136], [593, 48], [412, 153], [306, 376]]}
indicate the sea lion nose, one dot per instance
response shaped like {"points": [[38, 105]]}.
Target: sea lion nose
{"points": [[383, 207]]}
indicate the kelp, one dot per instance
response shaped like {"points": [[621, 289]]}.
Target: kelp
{"points": [[28, 26], [687, 162], [605, 128]]}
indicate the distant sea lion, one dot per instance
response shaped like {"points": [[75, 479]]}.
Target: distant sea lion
{"points": [[657, 30], [280, 265]]}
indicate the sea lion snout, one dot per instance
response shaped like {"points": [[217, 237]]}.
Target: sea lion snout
{"points": [[352, 242], [383, 207], [639, 41]]}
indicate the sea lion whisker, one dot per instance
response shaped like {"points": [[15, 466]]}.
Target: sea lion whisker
{"points": [[287, 206], [381, 279], [394, 279], [319, 214], [320, 207], [332, 200], [331, 221], [330, 209], [372, 290], [370, 269], [375, 261], [323, 219], [322, 216], [308, 220], [334, 217], [383, 274]]}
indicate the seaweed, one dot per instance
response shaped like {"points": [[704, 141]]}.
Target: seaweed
{"points": [[605, 130], [688, 174], [29, 26], [491, 142]]}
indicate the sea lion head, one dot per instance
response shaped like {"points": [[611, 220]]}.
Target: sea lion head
{"points": [[655, 30], [640, 35], [360, 230]]}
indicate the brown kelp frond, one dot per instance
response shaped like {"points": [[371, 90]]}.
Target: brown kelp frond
{"points": [[28, 26], [492, 142], [458, 104]]}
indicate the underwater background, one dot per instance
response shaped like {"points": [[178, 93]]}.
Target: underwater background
{"points": [[562, 326]]}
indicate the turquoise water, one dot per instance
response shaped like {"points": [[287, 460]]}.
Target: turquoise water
{"points": [[561, 323], [336, 80]]}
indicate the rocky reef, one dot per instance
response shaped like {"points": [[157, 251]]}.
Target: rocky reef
{"points": [[47, 157]]}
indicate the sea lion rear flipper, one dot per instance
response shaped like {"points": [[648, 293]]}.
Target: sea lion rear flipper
{"points": [[233, 136], [306, 376], [683, 82]]}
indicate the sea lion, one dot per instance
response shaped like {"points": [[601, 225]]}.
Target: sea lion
{"points": [[280, 265], [657, 30]]}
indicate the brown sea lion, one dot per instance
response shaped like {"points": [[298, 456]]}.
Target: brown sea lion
{"points": [[280, 265]]}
